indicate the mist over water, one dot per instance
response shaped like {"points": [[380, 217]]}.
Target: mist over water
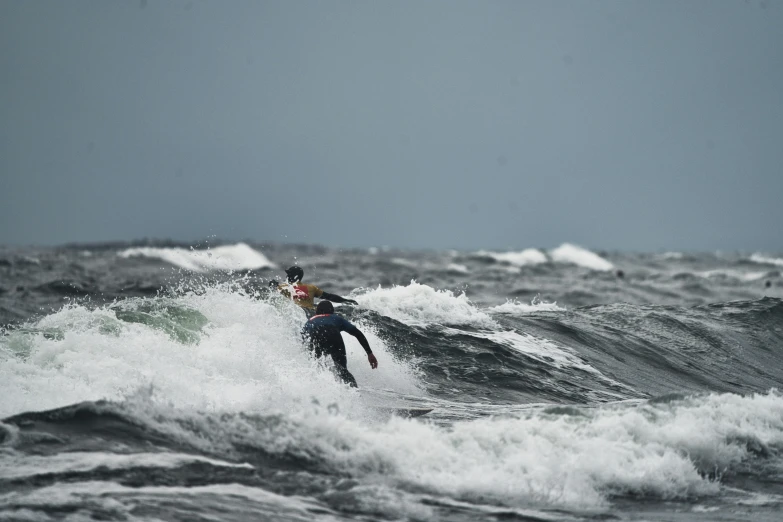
{"points": [[149, 380]]}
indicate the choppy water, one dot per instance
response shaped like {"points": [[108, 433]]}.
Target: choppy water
{"points": [[151, 382]]}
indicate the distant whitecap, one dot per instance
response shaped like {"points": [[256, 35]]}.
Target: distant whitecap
{"points": [[228, 257], [529, 256], [572, 254], [766, 260]]}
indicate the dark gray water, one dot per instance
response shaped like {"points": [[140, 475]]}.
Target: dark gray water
{"points": [[149, 382]]}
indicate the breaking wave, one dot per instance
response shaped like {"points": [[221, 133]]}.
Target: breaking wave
{"points": [[558, 391]]}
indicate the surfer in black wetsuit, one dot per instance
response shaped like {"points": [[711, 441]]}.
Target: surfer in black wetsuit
{"points": [[322, 332]]}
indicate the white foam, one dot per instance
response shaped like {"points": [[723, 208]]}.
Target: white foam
{"points": [[529, 256], [761, 499], [671, 255], [111, 498], [558, 459], [564, 461], [418, 265], [250, 358], [766, 260], [734, 274], [652, 449], [404, 262], [228, 257], [20, 466], [516, 308], [458, 268], [572, 254], [418, 304]]}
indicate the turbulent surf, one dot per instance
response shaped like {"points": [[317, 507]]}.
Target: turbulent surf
{"points": [[159, 381]]}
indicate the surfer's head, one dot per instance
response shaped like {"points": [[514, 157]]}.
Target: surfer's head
{"points": [[295, 274], [324, 307]]}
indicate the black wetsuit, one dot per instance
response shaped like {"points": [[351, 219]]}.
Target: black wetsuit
{"points": [[322, 332]]}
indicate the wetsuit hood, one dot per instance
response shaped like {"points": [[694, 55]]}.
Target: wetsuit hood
{"points": [[295, 274], [324, 308]]}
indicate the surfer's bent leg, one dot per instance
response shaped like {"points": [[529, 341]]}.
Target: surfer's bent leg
{"points": [[345, 375], [341, 369]]}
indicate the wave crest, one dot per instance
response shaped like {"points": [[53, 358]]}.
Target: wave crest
{"points": [[418, 305]]}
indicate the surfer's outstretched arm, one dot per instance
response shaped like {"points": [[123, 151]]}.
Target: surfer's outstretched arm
{"points": [[366, 345], [336, 298]]}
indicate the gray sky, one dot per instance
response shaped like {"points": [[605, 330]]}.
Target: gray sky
{"points": [[612, 124]]}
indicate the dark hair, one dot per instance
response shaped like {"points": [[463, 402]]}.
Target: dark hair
{"points": [[324, 307]]}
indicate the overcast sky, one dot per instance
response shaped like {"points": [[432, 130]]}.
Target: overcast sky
{"points": [[625, 125]]}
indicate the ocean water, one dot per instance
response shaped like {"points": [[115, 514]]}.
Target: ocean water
{"points": [[164, 382]]}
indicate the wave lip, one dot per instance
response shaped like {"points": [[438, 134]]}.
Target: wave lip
{"points": [[575, 255], [228, 257]]}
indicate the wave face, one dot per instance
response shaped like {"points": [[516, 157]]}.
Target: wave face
{"points": [[138, 386]]}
